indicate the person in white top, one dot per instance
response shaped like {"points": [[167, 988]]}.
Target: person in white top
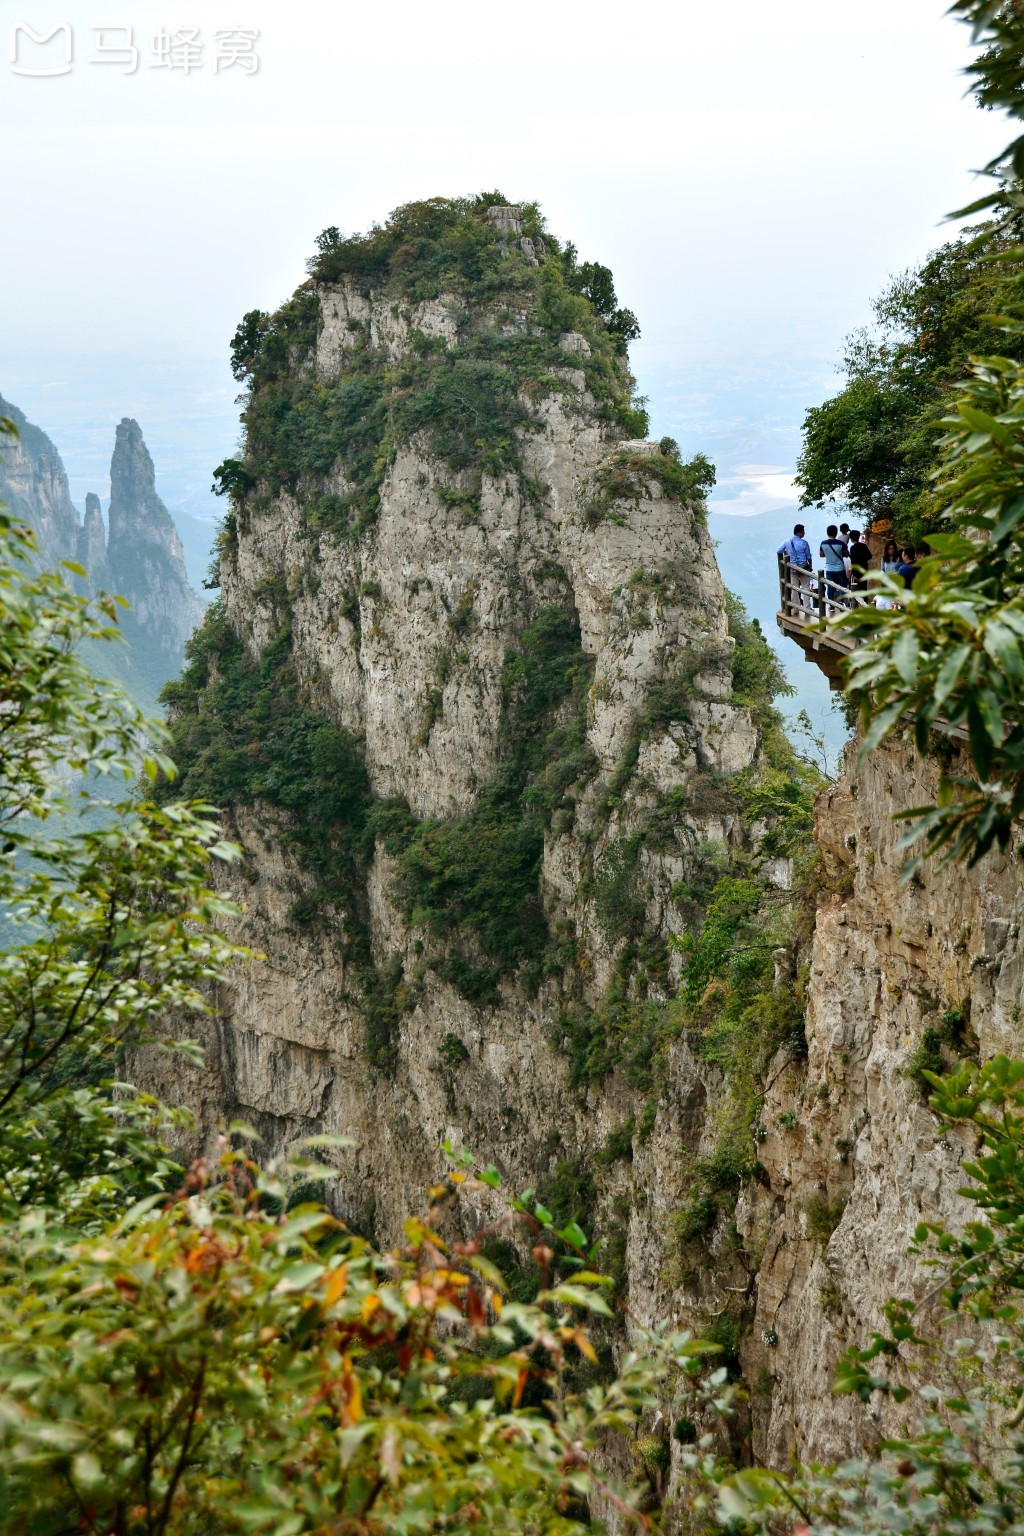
{"points": [[890, 565]]}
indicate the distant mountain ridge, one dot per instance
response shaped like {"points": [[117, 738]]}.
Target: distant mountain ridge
{"points": [[140, 557]]}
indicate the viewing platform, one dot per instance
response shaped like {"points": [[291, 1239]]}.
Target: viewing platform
{"points": [[808, 606]]}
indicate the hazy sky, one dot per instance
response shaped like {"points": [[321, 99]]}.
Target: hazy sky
{"points": [[752, 173]]}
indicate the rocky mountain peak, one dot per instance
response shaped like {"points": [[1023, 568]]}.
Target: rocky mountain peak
{"points": [[92, 542], [34, 486], [139, 555], [146, 560], [137, 513]]}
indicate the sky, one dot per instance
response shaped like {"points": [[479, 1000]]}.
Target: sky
{"points": [[753, 174], [751, 181]]}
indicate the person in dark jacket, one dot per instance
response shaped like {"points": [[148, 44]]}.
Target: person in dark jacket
{"points": [[860, 559], [908, 566]]}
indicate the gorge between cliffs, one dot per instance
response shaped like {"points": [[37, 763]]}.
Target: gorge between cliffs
{"points": [[529, 866]]}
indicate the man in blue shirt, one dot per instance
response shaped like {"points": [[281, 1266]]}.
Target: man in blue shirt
{"points": [[908, 566], [796, 552], [833, 549]]}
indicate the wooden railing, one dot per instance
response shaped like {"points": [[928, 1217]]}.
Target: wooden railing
{"points": [[808, 604], [811, 598]]}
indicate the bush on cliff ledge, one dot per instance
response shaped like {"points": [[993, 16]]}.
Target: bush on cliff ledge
{"points": [[509, 313]]}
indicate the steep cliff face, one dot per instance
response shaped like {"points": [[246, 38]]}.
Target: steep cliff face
{"points": [[520, 829], [146, 562], [92, 543], [141, 559], [901, 975], [453, 577], [34, 485]]}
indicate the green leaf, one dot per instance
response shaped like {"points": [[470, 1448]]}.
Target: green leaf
{"points": [[1005, 648], [904, 656], [992, 714], [980, 739], [882, 725], [297, 1277], [1009, 520], [982, 422], [949, 673], [574, 1235]]}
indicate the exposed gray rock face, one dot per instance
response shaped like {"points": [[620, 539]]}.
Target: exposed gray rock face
{"points": [[887, 961], [92, 543], [141, 558], [426, 560], [374, 640], [403, 637], [573, 342], [34, 485], [147, 564], [506, 220]]}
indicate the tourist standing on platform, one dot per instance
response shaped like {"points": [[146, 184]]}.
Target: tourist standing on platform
{"points": [[860, 559], [908, 566], [890, 566], [833, 551], [796, 553]]}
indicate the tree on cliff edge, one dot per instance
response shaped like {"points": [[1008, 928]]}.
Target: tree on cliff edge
{"points": [[954, 647]]}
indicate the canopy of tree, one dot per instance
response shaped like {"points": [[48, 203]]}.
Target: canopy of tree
{"points": [[873, 446]]}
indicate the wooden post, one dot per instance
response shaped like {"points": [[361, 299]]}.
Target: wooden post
{"points": [[783, 595], [821, 596]]}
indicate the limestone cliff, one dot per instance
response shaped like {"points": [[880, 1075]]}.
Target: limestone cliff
{"points": [[901, 975], [405, 636], [92, 543], [521, 834], [141, 559], [146, 561], [34, 485]]}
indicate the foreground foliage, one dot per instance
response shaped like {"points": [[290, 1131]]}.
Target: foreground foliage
{"points": [[206, 1364], [952, 648], [873, 446], [955, 646], [107, 927], [197, 1352]]}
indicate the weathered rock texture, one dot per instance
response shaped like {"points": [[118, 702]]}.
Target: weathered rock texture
{"points": [[146, 561], [34, 485], [401, 636], [886, 962], [92, 543], [140, 560], [287, 1049]]}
